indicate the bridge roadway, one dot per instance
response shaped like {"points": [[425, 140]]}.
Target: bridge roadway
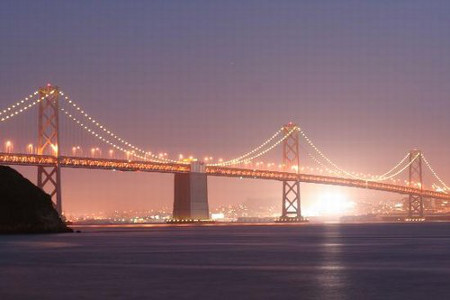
{"points": [[145, 166]]}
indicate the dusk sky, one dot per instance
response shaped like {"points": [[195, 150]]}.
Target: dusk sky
{"points": [[367, 80]]}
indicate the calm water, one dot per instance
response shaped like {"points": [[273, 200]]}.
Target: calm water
{"points": [[371, 261]]}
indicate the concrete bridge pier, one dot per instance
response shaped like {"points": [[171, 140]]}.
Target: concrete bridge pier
{"points": [[191, 194]]}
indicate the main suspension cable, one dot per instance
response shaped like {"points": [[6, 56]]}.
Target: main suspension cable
{"points": [[250, 158], [108, 132], [350, 174], [434, 173]]}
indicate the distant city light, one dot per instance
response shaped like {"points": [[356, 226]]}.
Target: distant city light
{"points": [[217, 216]]}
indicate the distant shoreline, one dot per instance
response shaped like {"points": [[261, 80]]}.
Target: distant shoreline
{"points": [[137, 225]]}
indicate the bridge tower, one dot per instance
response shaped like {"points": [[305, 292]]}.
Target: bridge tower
{"points": [[415, 202], [191, 194], [49, 178], [291, 162]]}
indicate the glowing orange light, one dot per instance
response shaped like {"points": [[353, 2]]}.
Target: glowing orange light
{"points": [[8, 146]]}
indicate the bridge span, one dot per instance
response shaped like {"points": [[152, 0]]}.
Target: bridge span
{"points": [[190, 177], [174, 168]]}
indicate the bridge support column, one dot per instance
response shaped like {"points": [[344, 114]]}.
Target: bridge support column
{"points": [[191, 194], [415, 202], [49, 178], [291, 200]]}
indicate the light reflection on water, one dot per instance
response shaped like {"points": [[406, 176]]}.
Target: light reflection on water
{"points": [[333, 277], [393, 261]]}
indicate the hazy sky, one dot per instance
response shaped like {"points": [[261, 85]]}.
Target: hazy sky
{"points": [[368, 80]]}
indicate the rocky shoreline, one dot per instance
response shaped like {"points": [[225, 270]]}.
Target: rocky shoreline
{"points": [[24, 208]]}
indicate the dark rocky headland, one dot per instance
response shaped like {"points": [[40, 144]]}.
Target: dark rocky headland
{"points": [[24, 208]]}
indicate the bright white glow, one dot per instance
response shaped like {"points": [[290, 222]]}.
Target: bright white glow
{"points": [[54, 148], [330, 204], [217, 216], [9, 147]]}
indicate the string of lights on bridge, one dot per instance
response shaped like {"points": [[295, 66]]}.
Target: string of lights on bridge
{"points": [[444, 186], [19, 103], [236, 161], [16, 109], [246, 159], [340, 170], [336, 169], [111, 134]]}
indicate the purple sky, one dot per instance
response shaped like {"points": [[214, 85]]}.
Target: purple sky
{"points": [[368, 80]]}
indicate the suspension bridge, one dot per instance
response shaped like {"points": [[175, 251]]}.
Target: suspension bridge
{"points": [[190, 175]]}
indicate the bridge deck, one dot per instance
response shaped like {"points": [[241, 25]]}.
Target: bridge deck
{"points": [[145, 166]]}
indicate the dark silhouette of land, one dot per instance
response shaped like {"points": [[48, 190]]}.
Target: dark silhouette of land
{"points": [[24, 208]]}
